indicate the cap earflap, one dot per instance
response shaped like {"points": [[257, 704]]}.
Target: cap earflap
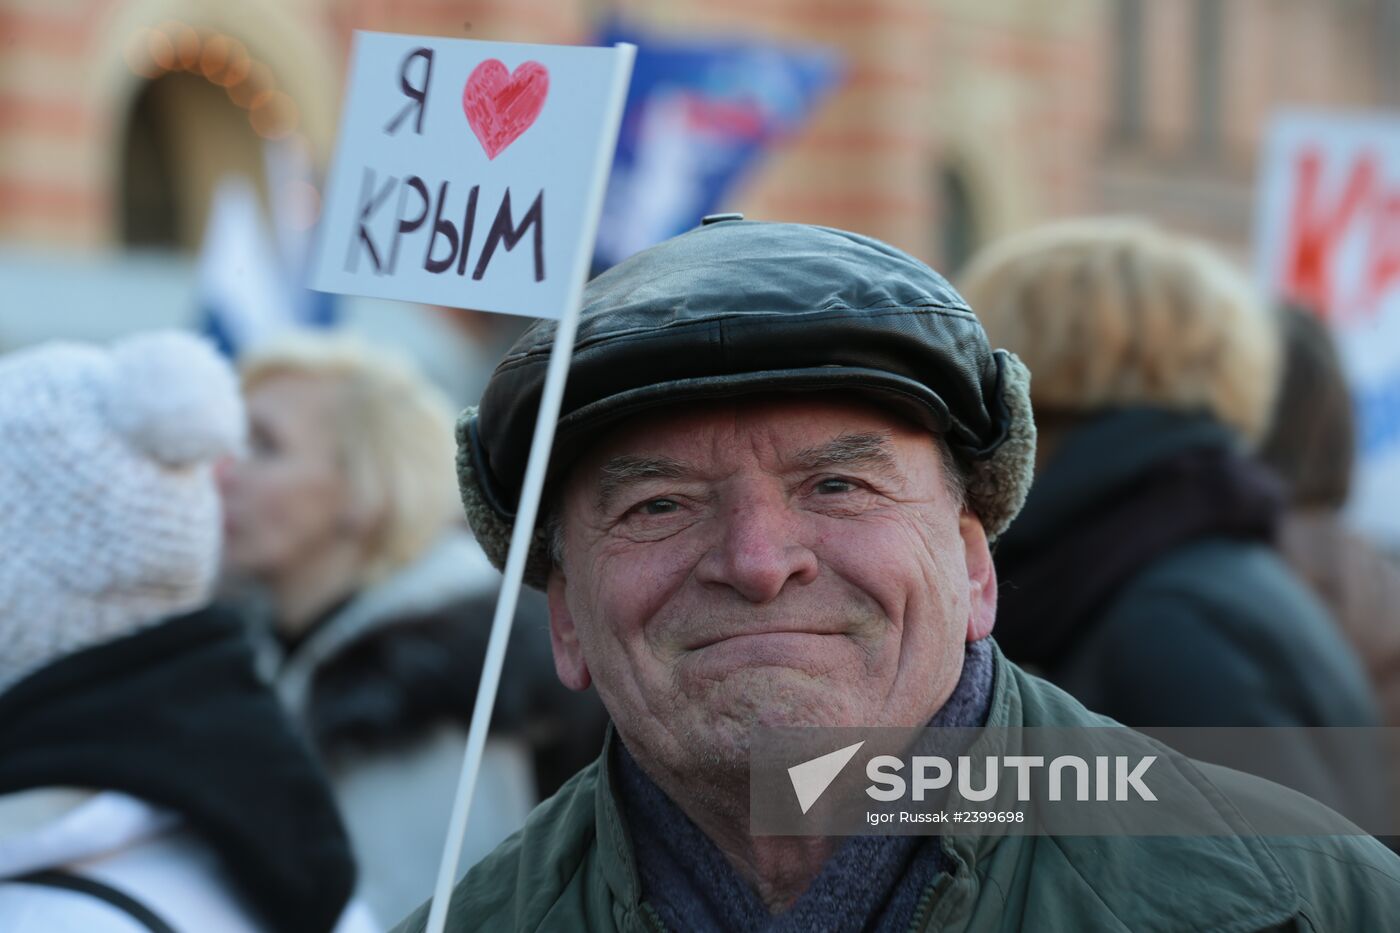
{"points": [[997, 486], [492, 530]]}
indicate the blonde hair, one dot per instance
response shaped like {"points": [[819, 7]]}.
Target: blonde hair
{"points": [[395, 435], [1111, 312]]}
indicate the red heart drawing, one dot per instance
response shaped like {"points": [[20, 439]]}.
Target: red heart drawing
{"points": [[500, 105]]}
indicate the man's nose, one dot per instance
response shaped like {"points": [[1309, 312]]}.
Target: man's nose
{"points": [[759, 551]]}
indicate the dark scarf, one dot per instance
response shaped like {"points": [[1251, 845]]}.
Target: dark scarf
{"points": [[175, 716], [1060, 569], [871, 882]]}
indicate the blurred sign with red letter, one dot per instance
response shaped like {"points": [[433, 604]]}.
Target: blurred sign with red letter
{"points": [[1328, 237]]}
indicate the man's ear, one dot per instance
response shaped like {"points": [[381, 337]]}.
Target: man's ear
{"points": [[568, 653], [981, 578]]}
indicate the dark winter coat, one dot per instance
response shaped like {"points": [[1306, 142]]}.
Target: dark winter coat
{"points": [[574, 865], [1141, 577]]}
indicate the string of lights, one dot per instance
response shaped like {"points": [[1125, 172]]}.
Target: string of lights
{"points": [[175, 47]]}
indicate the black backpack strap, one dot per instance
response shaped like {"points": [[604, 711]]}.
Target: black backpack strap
{"points": [[94, 888]]}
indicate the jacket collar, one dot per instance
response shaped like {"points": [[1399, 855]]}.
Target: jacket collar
{"points": [[618, 864], [1123, 874], [1214, 882]]}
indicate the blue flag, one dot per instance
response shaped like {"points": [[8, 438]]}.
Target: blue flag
{"points": [[699, 114], [251, 277]]}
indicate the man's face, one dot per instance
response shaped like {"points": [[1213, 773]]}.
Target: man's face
{"points": [[787, 562]]}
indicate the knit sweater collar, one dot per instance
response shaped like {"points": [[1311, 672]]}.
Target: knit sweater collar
{"points": [[870, 883]]}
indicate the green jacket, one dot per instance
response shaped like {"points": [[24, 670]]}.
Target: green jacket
{"points": [[571, 868]]}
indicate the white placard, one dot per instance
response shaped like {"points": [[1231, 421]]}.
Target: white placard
{"points": [[1328, 235], [465, 170]]}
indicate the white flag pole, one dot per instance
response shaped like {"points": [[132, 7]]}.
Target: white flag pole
{"points": [[528, 509]]}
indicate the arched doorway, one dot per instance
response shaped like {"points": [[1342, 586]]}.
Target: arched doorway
{"points": [[183, 134]]}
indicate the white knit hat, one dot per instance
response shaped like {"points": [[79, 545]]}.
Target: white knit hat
{"points": [[110, 520]]}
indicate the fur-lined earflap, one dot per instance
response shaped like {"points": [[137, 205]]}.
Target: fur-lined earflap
{"points": [[997, 487], [491, 530]]}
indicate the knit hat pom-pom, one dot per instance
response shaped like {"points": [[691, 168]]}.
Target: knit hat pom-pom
{"points": [[175, 399]]}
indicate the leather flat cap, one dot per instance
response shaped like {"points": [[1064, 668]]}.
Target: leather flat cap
{"points": [[736, 308]]}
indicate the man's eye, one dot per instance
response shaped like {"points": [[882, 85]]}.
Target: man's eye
{"points": [[831, 487], [658, 507]]}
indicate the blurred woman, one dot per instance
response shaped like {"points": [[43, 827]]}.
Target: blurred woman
{"points": [[1141, 575], [343, 514], [1312, 446]]}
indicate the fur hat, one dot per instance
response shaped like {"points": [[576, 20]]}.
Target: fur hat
{"points": [[109, 516], [736, 308]]}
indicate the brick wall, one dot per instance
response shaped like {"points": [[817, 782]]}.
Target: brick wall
{"points": [[1012, 98]]}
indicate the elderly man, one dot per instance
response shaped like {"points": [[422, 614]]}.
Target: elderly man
{"points": [[781, 457]]}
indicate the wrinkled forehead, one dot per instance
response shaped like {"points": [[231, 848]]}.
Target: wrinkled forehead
{"points": [[777, 433]]}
